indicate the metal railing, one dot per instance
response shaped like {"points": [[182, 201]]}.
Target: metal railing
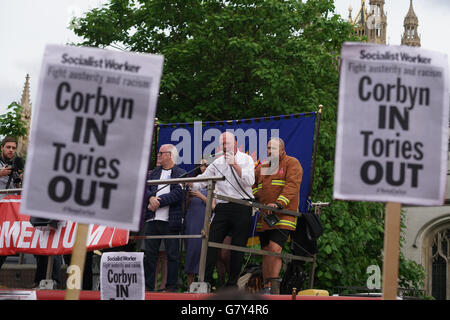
{"points": [[205, 232], [211, 181], [7, 191]]}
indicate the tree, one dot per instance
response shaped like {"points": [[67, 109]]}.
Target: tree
{"points": [[11, 123], [228, 59], [239, 59]]}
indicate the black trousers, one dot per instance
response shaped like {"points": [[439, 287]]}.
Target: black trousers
{"points": [[229, 219]]}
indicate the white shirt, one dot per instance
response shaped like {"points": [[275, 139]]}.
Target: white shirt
{"points": [[163, 213], [229, 187]]}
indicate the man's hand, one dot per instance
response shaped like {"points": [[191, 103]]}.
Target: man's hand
{"points": [[5, 171], [154, 203], [273, 205], [229, 158]]}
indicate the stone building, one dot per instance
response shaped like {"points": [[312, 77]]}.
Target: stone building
{"points": [[370, 22], [411, 23], [427, 229], [26, 116]]}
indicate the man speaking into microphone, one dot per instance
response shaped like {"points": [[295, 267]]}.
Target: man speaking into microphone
{"points": [[230, 218]]}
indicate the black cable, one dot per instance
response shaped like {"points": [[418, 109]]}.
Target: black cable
{"points": [[249, 198], [182, 176], [228, 180]]}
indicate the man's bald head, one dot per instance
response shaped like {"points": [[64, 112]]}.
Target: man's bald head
{"points": [[228, 142], [275, 147]]}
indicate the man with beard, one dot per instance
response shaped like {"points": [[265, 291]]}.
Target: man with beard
{"points": [[7, 161], [277, 184], [9, 179]]}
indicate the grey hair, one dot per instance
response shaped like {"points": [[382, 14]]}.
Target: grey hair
{"points": [[173, 151]]}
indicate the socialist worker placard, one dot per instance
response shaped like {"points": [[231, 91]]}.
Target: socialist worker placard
{"points": [[392, 131], [91, 135]]}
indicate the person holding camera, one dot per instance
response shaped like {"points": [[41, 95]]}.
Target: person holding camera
{"points": [[277, 184], [10, 177], [11, 165]]}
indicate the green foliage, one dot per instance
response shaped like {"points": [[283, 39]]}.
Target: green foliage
{"points": [[11, 123], [352, 241], [229, 59], [238, 59], [411, 277], [411, 274]]}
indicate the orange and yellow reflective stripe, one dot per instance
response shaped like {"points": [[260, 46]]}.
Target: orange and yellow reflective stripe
{"points": [[283, 199]]}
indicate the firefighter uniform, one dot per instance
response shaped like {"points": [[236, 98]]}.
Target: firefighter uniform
{"points": [[282, 187]]}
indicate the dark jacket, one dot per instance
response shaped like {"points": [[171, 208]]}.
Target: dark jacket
{"points": [[173, 199]]}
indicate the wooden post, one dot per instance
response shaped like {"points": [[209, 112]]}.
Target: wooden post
{"points": [[77, 260], [391, 250], [50, 260]]}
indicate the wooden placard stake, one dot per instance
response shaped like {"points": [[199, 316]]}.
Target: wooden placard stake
{"points": [[77, 261], [391, 250]]}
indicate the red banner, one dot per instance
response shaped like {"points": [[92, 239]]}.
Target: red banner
{"points": [[18, 235]]}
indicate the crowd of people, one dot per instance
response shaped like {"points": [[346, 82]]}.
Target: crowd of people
{"points": [[173, 209]]}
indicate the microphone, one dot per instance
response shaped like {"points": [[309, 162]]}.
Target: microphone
{"points": [[217, 154], [213, 157]]}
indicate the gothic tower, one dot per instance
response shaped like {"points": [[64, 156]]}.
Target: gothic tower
{"points": [[359, 23], [371, 23], [377, 22], [26, 116], [411, 23]]}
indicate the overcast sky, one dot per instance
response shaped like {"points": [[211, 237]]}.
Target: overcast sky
{"points": [[26, 26], [433, 15]]}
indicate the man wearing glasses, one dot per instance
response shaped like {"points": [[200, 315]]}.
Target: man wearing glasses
{"points": [[164, 217]]}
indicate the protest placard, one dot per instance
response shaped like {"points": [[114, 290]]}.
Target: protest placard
{"points": [[122, 276], [392, 135], [91, 135], [392, 132]]}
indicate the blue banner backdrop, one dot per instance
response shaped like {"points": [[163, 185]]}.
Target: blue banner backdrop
{"points": [[297, 131]]}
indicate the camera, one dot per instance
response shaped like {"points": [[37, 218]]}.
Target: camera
{"points": [[15, 165], [271, 219]]}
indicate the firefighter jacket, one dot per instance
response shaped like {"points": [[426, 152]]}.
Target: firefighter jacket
{"points": [[282, 187]]}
